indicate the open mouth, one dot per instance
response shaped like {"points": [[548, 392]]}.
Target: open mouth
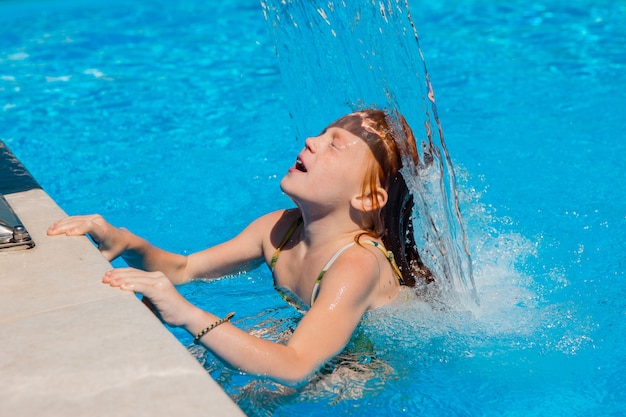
{"points": [[299, 165]]}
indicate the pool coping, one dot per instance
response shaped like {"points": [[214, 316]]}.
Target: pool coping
{"points": [[72, 346]]}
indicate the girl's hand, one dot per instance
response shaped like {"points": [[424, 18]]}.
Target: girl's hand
{"points": [[111, 241], [166, 302]]}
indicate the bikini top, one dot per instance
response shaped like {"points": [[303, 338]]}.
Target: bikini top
{"points": [[291, 298]]}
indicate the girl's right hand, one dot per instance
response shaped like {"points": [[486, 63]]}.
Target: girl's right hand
{"points": [[111, 240], [164, 300]]}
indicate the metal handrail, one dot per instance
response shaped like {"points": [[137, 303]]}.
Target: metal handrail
{"points": [[13, 234]]}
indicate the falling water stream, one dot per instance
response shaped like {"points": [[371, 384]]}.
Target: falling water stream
{"points": [[367, 53]]}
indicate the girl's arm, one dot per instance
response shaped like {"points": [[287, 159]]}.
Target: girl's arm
{"points": [[347, 292], [237, 254]]}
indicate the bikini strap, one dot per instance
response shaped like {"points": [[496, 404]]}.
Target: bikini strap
{"points": [[331, 261], [388, 254], [390, 257], [288, 236]]}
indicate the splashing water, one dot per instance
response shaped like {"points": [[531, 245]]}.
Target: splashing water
{"points": [[365, 54]]}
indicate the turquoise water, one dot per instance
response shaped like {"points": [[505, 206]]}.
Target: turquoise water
{"points": [[172, 120]]}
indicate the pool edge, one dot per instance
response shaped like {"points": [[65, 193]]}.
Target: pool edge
{"points": [[73, 346]]}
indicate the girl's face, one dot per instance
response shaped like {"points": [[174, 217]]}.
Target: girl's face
{"points": [[330, 170]]}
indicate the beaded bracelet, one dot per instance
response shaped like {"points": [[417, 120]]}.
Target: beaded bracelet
{"points": [[196, 340]]}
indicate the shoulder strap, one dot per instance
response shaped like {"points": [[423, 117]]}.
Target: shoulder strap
{"points": [[388, 255], [288, 235], [316, 287]]}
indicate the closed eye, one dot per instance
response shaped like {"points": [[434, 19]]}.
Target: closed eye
{"points": [[341, 143], [337, 143]]}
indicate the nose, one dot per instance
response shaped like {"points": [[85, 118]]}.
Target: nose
{"points": [[311, 144]]}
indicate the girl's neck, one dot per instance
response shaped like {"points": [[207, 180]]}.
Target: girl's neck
{"points": [[321, 229]]}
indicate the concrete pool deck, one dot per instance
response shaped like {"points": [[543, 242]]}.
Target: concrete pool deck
{"points": [[71, 346]]}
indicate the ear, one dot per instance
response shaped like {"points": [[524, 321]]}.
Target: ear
{"points": [[371, 200]]}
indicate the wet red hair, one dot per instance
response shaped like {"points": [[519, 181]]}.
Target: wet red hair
{"points": [[389, 138]]}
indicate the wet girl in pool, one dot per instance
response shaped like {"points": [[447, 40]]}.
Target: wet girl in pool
{"points": [[346, 249]]}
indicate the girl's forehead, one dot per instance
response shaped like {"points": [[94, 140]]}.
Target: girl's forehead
{"points": [[357, 124]]}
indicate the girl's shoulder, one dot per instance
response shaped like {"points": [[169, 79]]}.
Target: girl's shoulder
{"points": [[281, 215], [278, 218], [280, 221], [277, 224]]}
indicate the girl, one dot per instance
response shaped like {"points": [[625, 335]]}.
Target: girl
{"points": [[327, 256]]}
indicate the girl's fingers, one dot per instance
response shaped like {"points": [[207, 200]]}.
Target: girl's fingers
{"points": [[159, 293], [76, 225], [108, 238], [61, 226], [70, 226], [130, 273], [135, 280]]}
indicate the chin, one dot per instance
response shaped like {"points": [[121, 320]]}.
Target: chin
{"points": [[289, 190], [284, 186]]}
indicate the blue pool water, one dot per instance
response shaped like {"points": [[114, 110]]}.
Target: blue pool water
{"points": [[171, 118]]}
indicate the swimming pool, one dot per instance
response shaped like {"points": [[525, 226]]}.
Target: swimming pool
{"points": [[137, 112]]}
